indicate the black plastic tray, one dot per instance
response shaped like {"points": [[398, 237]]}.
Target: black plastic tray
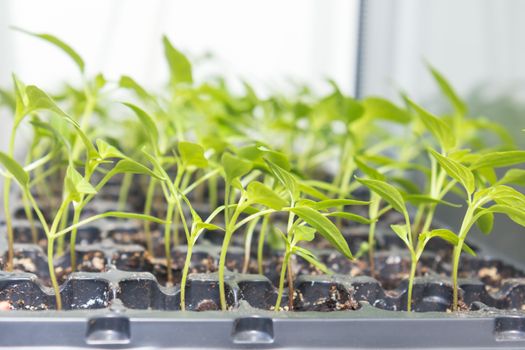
{"points": [[129, 309]]}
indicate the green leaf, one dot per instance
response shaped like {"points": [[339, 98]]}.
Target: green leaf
{"points": [[402, 232], [325, 227], [128, 165], [499, 159], [330, 203], [208, 226], [387, 192], [368, 170], [456, 170], [39, 100], [20, 99], [380, 108], [259, 193], [192, 154], [458, 104], [234, 167], [304, 233], [311, 258], [310, 191], [15, 169], [436, 126], [148, 122], [444, 234], [285, 178], [514, 213], [105, 150], [418, 199], [485, 222], [179, 65], [76, 185], [124, 215], [6, 98], [513, 176], [60, 44], [350, 217], [129, 83]]}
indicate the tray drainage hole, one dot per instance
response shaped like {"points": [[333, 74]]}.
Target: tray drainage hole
{"points": [[108, 330], [253, 330], [510, 328]]}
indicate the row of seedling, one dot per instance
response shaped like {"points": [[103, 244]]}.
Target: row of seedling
{"points": [[261, 163]]}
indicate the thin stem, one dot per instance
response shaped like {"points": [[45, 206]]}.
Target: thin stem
{"points": [[9, 225], [30, 217], [290, 285], [73, 239], [455, 267], [281, 280], [373, 210], [213, 191], [260, 247], [209, 176], [124, 191], [167, 241], [184, 278], [230, 229], [248, 244], [411, 282], [147, 210], [52, 276]]}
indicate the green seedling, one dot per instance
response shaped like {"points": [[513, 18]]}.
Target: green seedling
{"points": [[74, 187], [393, 197], [483, 201]]}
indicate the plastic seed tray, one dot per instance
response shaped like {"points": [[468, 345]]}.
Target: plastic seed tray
{"points": [[119, 298]]}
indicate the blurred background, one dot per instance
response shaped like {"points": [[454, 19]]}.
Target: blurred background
{"points": [[369, 47]]}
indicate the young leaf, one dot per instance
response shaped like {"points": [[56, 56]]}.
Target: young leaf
{"points": [[380, 108], [304, 233], [448, 236], [15, 169], [350, 217], [388, 192], [436, 126], [148, 123], [261, 194], [329, 203], [418, 199], [76, 185], [325, 227], [129, 83], [368, 170], [499, 159], [60, 44], [192, 154], [38, 100], [285, 178], [402, 232], [456, 170], [486, 222], [105, 150], [449, 92], [208, 226], [128, 165], [514, 213], [311, 258], [513, 176], [234, 167], [179, 65]]}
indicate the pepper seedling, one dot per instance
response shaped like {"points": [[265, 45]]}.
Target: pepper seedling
{"points": [[393, 197]]}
